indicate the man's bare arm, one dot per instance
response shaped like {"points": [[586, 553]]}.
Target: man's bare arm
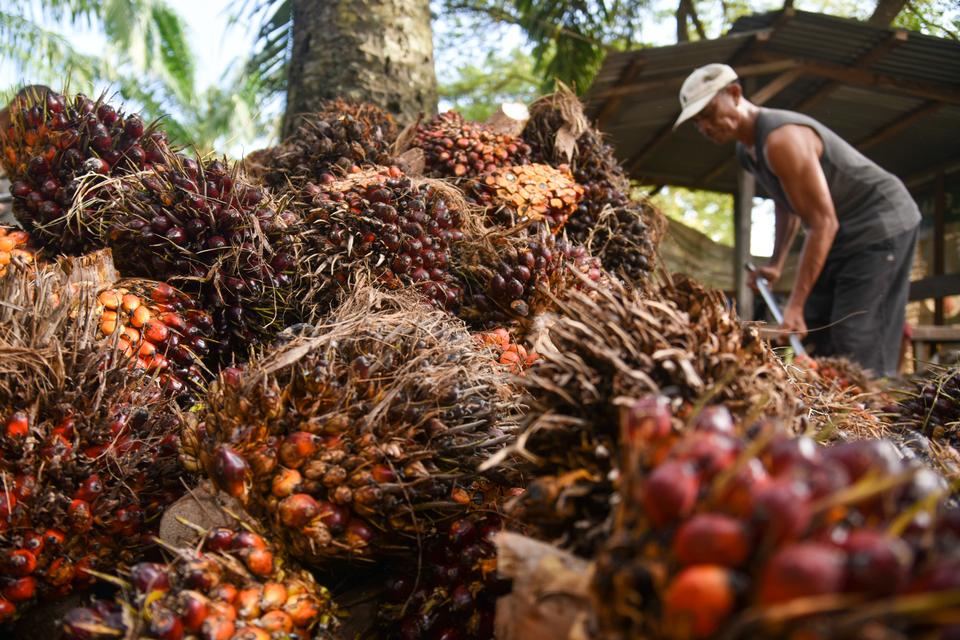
{"points": [[793, 153]]}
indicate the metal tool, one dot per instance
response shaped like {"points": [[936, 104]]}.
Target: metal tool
{"points": [[764, 287]]}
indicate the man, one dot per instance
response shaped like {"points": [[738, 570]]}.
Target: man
{"points": [[861, 223]]}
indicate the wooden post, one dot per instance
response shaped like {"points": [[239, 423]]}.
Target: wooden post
{"points": [[742, 209], [939, 231]]}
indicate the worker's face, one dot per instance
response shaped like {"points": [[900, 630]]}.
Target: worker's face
{"points": [[719, 119]]}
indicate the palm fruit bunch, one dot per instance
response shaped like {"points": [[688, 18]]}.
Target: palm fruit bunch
{"points": [[160, 329], [352, 441], [624, 234], [931, 407], [205, 228], [456, 148], [382, 221], [506, 274], [340, 136], [529, 193], [88, 452], [233, 585], [609, 342], [513, 355], [452, 594], [14, 248], [740, 530], [52, 141]]}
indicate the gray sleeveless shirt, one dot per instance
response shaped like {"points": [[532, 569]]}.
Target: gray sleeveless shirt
{"points": [[871, 203]]}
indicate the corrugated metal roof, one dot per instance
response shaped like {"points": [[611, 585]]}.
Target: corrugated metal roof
{"points": [[856, 79]]}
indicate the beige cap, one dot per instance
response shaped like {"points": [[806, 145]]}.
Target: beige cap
{"points": [[700, 87]]}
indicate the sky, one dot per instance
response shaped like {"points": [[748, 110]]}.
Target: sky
{"points": [[216, 44]]}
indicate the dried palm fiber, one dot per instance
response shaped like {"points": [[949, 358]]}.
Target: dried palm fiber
{"points": [[352, 440], [328, 143], [930, 406], [724, 529], [456, 148], [450, 588], [88, 451], [622, 232], [234, 584], [532, 192], [52, 142], [15, 248], [680, 340], [204, 228], [401, 231]]}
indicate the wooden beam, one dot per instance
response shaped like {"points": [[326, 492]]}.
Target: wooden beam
{"points": [[939, 233], [775, 86], [672, 80], [865, 78], [874, 54], [742, 213], [612, 104], [653, 177], [935, 287], [922, 177], [898, 124]]}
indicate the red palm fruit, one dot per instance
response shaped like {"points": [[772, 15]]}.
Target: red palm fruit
{"points": [[876, 563], [249, 540], [7, 503], [286, 482], [274, 596], [217, 628], [91, 488], [802, 570], [164, 624], [219, 539], [19, 563], [225, 592], [359, 533], [715, 419], [260, 562], [200, 574], [785, 454], [251, 633], [149, 576], [709, 452], [18, 425], [276, 621], [298, 510], [648, 419], [61, 572], [670, 492], [781, 511], [876, 456], [297, 448], [194, 609], [699, 600], [230, 471], [712, 538], [33, 542], [7, 610], [80, 515], [302, 609], [248, 603], [21, 589]]}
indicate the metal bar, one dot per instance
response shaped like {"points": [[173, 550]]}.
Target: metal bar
{"points": [[743, 207], [939, 233]]}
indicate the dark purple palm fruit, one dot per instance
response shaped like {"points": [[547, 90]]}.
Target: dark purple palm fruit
{"points": [[54, 149], [383, 222], [214, 235], [455, 592], [338, 137]]}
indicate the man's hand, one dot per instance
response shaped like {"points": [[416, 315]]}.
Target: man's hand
{"points": [[770, 272], [793, 321]]}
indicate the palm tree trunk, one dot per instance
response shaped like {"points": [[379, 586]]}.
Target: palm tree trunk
{"points": [[380, 51]]}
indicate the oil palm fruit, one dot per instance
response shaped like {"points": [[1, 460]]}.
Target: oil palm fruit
{"points": [[456, 148], [54, 140], [14, 249], [235, 585], [529, 193], [352, 440]]}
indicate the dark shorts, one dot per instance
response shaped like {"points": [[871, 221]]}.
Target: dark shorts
{"points": [[857, 306]]}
